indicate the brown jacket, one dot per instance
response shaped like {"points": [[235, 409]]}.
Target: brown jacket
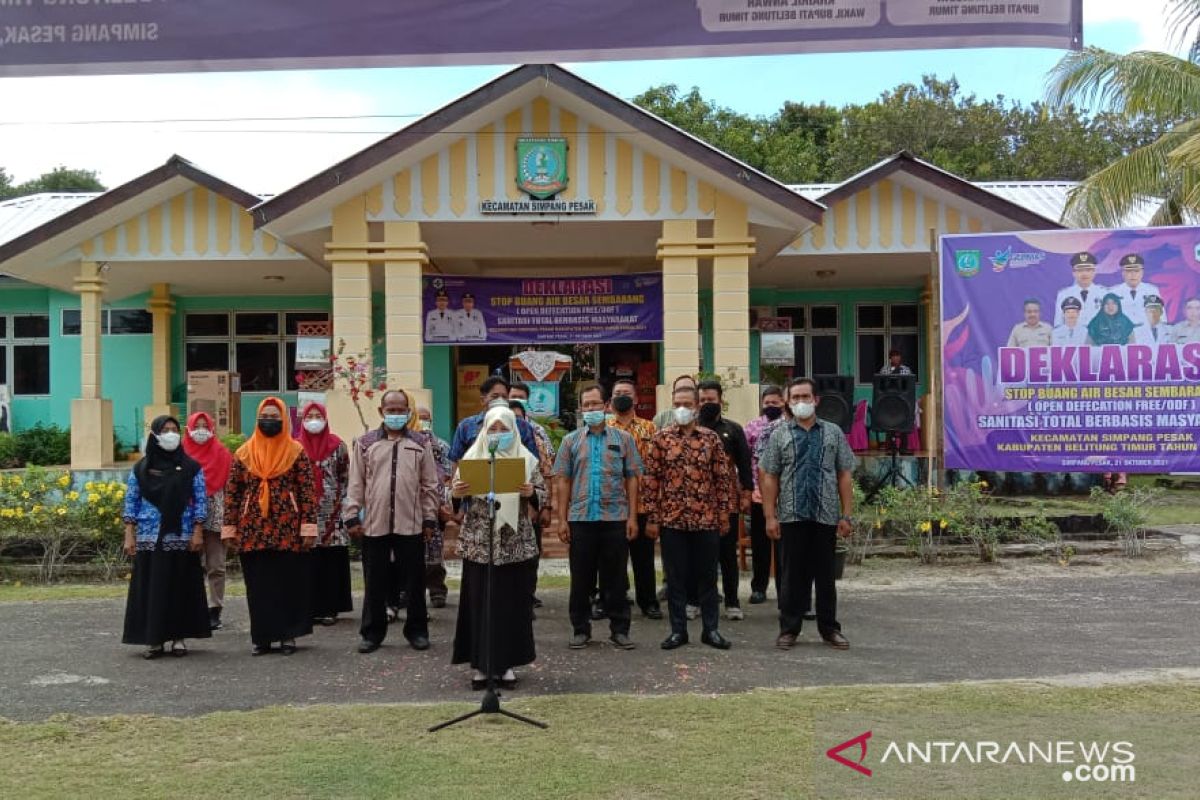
{"points": [[395, 481]]}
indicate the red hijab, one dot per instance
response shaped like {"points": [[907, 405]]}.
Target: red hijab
{"points": [[318, 446], [213, 456]]}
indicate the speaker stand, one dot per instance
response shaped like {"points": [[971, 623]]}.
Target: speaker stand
{"points": [[893, 475]]}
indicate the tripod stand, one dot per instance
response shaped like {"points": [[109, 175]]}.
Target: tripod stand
{"points": [[893, 474], [491, 698]]}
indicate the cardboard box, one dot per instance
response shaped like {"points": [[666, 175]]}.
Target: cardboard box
{"points": [[470, 378], [219, 394]]}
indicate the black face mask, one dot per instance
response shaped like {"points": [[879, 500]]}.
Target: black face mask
{"points": [[772, 412], [710, 412], [270, 427], [622, 403]]}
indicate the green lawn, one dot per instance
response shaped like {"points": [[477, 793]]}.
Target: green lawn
{"points": [[756, 745]]}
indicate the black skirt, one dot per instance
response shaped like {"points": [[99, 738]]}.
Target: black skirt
{"points": [[512, 616], [278, 594], [166, 598], [330, 581]]}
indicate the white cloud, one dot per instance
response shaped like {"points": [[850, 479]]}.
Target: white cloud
{"points": [[1148, 16]]}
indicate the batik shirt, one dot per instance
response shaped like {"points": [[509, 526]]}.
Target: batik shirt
{"points": [[642, 431], [754, 431], [293, 505], [688, 480], [511, 546], [597, 465], [142, 514], [335, 476], [807, 463]]}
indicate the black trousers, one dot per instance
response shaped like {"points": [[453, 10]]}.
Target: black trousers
{"points": [[729, 564], [641, 558], [599, 547], [807, 557], [408, 574], [690, 559], [761, 548]]}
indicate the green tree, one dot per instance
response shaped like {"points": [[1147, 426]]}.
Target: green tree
{"points": [[59, 179], [1158, 92]]}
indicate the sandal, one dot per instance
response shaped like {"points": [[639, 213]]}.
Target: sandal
{"points": [[154, 652], [178, 648], [287, 647]]}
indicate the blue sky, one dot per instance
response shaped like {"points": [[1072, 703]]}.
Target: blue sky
{"points": [[73, 121]]}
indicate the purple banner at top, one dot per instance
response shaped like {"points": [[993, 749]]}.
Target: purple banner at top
{"points": [[610, 308], [1072, 351], [45, 37]]}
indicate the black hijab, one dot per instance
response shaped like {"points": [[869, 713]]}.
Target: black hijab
{"points": [[166, 478]]}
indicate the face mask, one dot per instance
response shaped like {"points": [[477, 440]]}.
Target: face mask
{"points": [[314, 426], [425, 425], [200, 435], [593, 418], [622, 403], [803, 410], [521, 400], [168, 441], [772, 412], [270, 427], [395, 422], [683, 415], [710, 412], [499, 401], [500, 441]]}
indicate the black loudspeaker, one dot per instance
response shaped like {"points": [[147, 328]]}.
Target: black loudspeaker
{"points": [[837, 399], [894, 402]]}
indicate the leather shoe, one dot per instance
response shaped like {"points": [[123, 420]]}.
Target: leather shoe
{"points": [[621, 641], [438, 601], [579, 641], [757, 598], [835, 640], [652, 612], [785, 641], [674, 640], [367, 646], [419, 642], [715, 639]]}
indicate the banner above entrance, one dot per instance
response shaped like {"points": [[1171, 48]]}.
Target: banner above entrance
{"points": [[53, 38], [614, 308]]}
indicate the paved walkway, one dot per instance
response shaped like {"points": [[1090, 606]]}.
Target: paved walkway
{"points": [[67, 657]]}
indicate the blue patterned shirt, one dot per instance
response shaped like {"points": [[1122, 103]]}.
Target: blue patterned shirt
{"points": [[598, 464], [145, 516], [807, 464]]}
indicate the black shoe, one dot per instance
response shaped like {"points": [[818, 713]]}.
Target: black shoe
{"points": [[652, 612], [419, 642], [579, 641], [288, 647], [326, 621], [260, 650], [367, 646], [537, 601], [674, 640], [214, 619], [438, 601], [756, 598], [715, 639], [598, 612], [621, 641]]}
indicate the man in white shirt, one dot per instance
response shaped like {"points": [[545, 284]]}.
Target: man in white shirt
{"points": [[441, 323], [1134, 290], [1153, 331], [1084, 289], [1188, 330], [471, 327], [1073, 330], [1032, 332]]}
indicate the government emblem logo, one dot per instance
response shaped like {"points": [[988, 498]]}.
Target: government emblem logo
{"points": [[541, 167]]}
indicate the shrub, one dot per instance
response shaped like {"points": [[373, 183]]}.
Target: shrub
{"points": [[44, 446], [10, 451], [916, 515], [233, 441], [1127, 512], [968, 513]]}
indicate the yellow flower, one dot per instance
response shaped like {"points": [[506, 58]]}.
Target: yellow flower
{"points": [[878, 525], [64, 481], [62, 512], [93, 499], [983, 485], [72, 496], [37, 508], [944, 524], [924, 527], [89, 486], [24, 495]]}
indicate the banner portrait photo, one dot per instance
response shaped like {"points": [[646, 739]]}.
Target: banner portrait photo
{"points": [[1072, 351], [474, 310]]}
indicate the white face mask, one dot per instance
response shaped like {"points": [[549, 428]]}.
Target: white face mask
{"points": [[168, 441], [683, 415], [314, 426], [803, 410], [200, 435], [424, 425]]}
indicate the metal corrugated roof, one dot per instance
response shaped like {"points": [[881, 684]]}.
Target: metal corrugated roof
{"points": [[20, 215]]}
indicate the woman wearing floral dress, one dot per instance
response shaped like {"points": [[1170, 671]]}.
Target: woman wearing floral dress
{"points": [[271, 520], [165, 507], [331, 554], [515, 559]]}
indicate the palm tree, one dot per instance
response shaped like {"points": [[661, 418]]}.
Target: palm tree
{"points": [[1157, 87]]}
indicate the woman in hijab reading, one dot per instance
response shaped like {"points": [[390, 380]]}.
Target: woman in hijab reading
{"points": [[331, 554], [271, 519], [1110, 326], [201, 444], [515, 559], [165, 508]]}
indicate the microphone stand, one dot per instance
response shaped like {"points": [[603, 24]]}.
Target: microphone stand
{"points": [[491, 697]]}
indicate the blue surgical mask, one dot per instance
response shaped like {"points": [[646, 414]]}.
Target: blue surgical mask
{"points": [[591, 418], [395, 422], [500, 441]]}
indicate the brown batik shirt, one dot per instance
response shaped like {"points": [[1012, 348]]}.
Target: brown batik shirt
{"points": [[688, 484]]}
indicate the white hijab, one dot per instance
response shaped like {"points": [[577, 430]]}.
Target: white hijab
{"points": [[509, 511]]}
